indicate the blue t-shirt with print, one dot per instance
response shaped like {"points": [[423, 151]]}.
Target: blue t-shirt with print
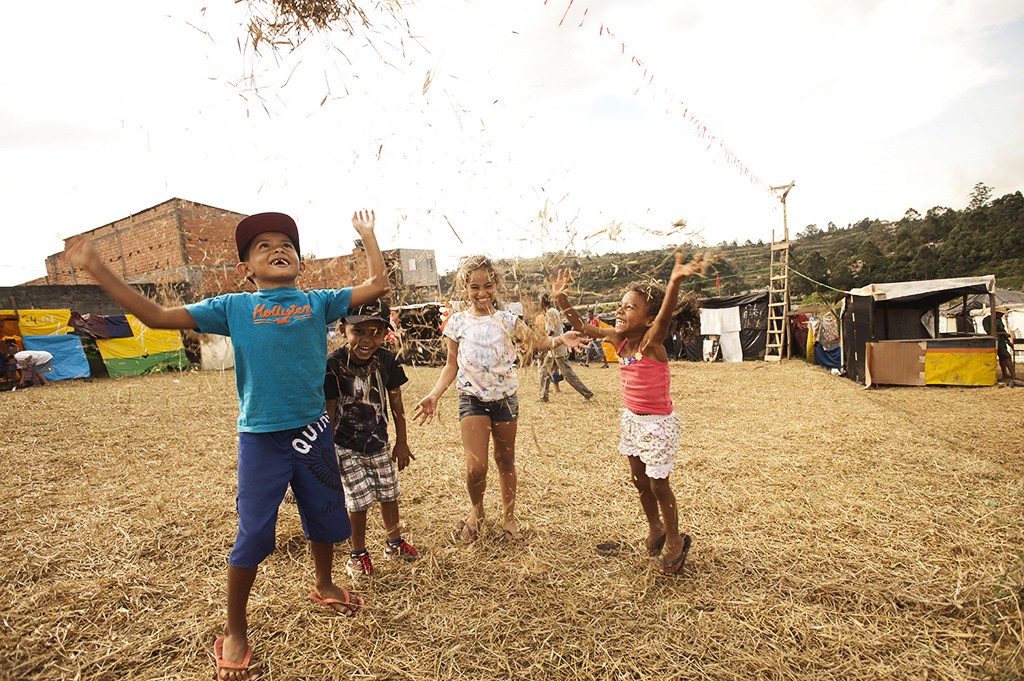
{"points": [[279, 336]]}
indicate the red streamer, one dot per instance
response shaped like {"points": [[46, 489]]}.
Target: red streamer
{"points": [[700, 130]]}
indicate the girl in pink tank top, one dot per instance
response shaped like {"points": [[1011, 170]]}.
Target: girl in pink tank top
{"points": [[650, 426]]}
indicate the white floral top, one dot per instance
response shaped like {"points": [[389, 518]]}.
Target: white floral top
{"points": [[487, 354]]}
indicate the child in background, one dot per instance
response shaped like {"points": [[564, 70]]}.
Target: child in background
{"points": [[595, 348], [650, 427], [279, 337], [10, 349], [360, 376], [554, 325], [481, 358]]}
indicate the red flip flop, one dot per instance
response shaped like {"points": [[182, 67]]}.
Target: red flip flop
{"points": [[218, 653], [351, 607]]}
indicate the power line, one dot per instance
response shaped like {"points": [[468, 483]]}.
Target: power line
{"points": [[816, 282]]}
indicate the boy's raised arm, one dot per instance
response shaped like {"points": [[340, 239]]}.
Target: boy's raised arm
{"points": [[376, 284], [82, 254]]}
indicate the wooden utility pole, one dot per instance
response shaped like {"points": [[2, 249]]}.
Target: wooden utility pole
{"points": [[778, 287]]}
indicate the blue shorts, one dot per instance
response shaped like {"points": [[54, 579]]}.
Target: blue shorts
{"points": [[504, 410], [267, 463]]}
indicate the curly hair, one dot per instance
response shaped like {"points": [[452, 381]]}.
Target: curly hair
{"points": [[471, 264], [652, 293]]}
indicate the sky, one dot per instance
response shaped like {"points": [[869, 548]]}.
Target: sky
{"points": [[513, 128]]}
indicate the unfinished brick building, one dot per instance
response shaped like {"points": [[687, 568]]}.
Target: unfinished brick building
{"points": [[190, 247]]}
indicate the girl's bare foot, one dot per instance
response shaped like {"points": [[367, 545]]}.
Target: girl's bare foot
{"points": [[470, 529], [676, 549], [511, 532], [654, 546], [656, 538]]}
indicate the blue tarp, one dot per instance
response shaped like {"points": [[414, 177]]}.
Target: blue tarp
{"points": [[68, 356], [830, 359]]}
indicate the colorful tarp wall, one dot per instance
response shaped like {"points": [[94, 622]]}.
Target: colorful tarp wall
{"points": [[144, 351], [48, 330]]}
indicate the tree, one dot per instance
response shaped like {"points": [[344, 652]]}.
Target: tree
{"points": [[809, 231], [911, 215], [980, 197], [924, 264], [871, 262]]}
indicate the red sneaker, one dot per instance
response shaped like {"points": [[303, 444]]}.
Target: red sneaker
{"points": [[403, 550], [360, 567]]}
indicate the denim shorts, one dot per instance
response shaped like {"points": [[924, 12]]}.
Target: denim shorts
{"points": [[504, 410]]}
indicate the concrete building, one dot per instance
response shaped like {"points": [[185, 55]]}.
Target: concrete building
{"points": [[413, 275]]}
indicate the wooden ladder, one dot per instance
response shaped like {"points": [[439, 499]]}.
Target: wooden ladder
{"points": [[778, 301], [778, 287]]}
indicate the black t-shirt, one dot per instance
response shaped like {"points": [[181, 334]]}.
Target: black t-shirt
{"points": [[361, 416]]}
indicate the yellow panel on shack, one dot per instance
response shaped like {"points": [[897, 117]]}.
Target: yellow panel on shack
{"points": [[932, 361], [960, 361]]}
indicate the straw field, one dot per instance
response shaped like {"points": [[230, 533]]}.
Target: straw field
{"points": [[839, 533]]}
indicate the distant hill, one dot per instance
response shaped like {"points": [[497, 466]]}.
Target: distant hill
{"points": [[986, 237]]}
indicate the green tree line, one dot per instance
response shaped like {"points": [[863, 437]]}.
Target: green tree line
{"points": [[985, 237]]}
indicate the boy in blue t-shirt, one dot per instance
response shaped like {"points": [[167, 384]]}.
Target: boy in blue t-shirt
{"points": [[284, 431]]}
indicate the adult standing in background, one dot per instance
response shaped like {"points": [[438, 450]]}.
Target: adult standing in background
{"points": [[33, 364], [554, 325], [1004, 346]]}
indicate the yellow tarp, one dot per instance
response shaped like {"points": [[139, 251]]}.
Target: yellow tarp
{"points": [[961, 366], [9, 328], [609, 350], [44, 322], [144, 341]]}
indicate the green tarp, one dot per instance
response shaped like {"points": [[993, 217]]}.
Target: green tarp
{"points": [[158, 361]]}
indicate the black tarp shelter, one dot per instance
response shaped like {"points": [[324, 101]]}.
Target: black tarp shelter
{"points": [[752, 309], [899, 311]]}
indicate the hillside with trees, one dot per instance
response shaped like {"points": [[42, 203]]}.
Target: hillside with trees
{"points": [[985, 237]]}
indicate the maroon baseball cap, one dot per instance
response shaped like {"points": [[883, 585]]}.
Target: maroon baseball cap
{"points": [[259, 223]]}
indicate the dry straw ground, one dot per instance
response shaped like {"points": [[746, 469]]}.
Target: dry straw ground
{"points": [[839, 533]]}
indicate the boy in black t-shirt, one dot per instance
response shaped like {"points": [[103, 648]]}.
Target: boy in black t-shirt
{"points": [[359, 376]]}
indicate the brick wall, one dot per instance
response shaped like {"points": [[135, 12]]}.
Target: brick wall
{"points": [[209, 248], [171, 242], [184, 242], [338, 272]]}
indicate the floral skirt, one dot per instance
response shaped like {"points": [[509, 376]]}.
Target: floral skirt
{"points": [[653, 438]]}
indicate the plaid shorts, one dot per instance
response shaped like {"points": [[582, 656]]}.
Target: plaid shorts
{"points": [[653, 438], [367, 477]]}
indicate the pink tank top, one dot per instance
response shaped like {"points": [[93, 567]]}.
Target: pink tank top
{"points": [[645, 384]]}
